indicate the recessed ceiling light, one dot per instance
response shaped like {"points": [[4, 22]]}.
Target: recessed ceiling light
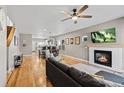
{"points": [[44, 29]]}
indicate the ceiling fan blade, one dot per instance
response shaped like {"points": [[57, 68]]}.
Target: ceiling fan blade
{"points": [[66, 19], [66, 13], [81, 9], [85, 16]]}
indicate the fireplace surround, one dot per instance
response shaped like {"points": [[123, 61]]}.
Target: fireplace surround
{"points": [[116, 59], [103, 57]]}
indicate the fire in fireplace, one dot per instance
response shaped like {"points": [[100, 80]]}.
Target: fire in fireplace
{"points": [[103, 57]]}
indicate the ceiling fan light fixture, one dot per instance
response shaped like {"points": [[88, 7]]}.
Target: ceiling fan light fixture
{"points": [[77, 14], [74, 18]]}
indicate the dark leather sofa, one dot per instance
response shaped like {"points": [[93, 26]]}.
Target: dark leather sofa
{"points": [[61, 75]]}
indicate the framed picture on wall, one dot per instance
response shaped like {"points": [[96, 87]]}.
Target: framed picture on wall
{"points": [[1, 27], [15, 40], [67, 41], [63, 42], [77, 40], [71, 40], [84, 38]]}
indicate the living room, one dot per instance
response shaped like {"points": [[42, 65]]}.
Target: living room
{"points": [[99, 47], [62, 46], [97, 58]]}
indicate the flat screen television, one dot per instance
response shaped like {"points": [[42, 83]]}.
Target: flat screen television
{"points": [[104, 36]]}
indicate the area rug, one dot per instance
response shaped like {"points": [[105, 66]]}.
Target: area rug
{"points": [[111, 77]]}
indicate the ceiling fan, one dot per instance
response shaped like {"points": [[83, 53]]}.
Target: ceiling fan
{"points": [[76, 14]]}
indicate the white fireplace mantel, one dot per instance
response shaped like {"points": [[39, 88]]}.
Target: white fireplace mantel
{"points": [[116, 57]]}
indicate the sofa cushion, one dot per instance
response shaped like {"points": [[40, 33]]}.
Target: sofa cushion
{"points": [[61, 66], [51, 60], [84, 79]]}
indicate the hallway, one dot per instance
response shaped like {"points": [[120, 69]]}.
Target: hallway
{"points": [[30, 74]]}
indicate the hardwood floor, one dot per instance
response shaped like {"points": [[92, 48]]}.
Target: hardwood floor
{"points": [[31, 73], [70, 61], [49, 84]]}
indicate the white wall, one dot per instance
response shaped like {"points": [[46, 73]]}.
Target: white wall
{"points": [[3, 49], [34, 46], [12, 51], [27, 40], [3, 57]]}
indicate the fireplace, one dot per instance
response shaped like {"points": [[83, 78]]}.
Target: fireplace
{"points": [[103, 57]]}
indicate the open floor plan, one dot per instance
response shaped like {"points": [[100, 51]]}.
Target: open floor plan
{"points": [[62, 46]]}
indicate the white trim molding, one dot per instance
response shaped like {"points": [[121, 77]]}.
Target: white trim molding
{"points": [[117, 64], [27, 55]]}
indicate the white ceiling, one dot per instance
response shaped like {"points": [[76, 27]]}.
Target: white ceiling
{"points": [[34, 19]]}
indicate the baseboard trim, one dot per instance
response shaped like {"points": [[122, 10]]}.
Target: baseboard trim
{"points": [[10, 70], [78, 59], [27, 55], [9, 73]]}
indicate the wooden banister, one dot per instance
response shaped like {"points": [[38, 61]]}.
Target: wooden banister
{"points": [[10, 34]]}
